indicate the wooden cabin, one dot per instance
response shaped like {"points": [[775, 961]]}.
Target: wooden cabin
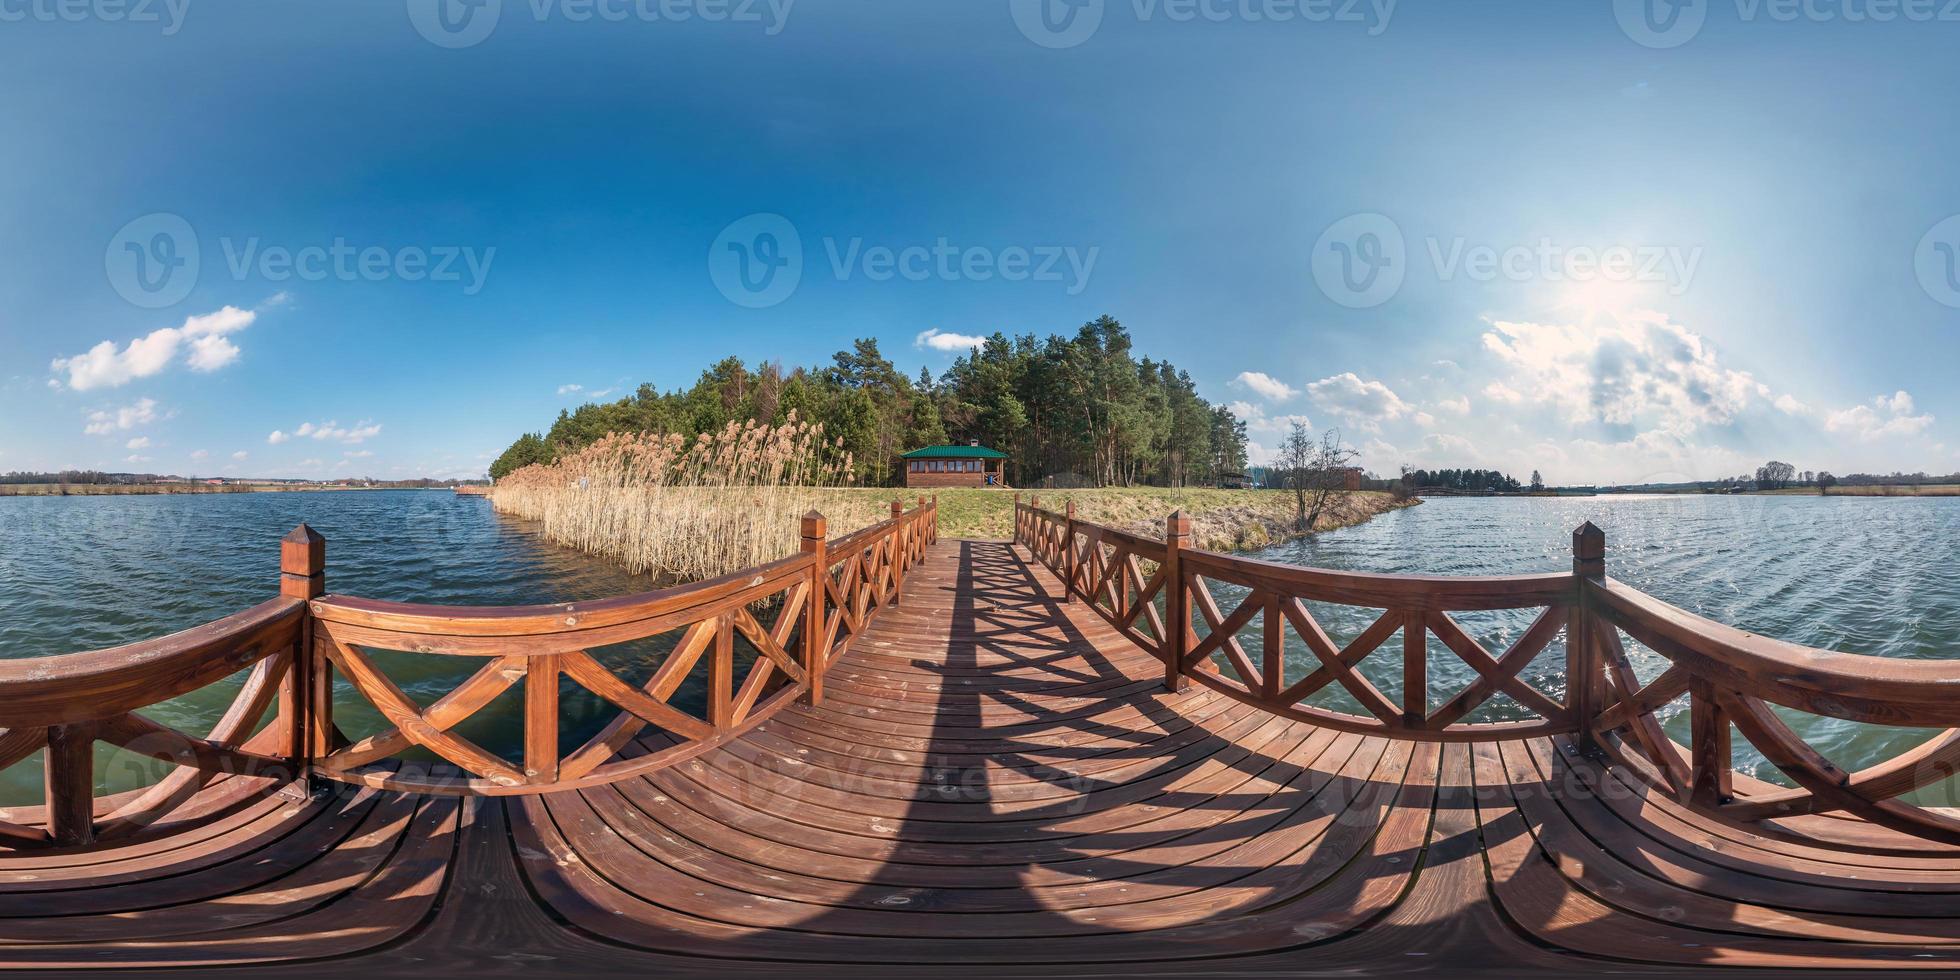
{"points": [[971, 465]]}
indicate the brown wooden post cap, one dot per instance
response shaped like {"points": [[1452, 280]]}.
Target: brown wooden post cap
{"points": [[1177, 524], [814, 525], [1588, 550], [302, 552]]}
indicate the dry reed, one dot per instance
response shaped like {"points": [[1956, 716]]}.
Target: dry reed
{"points": [[690, 509]]}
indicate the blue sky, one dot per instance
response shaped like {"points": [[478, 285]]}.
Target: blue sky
{"points": [[1623, 255]]}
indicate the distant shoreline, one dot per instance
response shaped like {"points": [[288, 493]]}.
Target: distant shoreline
{"points": [[158, 489]]}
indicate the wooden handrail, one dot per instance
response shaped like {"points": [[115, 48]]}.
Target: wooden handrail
{"points": [[67, 703], [1730, 677], [1108, 568], [293, 644], [821, 598]]}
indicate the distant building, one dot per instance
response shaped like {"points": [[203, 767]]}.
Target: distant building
{"points": [[971, 465]]}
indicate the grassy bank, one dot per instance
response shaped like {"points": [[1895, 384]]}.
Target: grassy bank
{"points": [[1934, 490], [1221, 520]]}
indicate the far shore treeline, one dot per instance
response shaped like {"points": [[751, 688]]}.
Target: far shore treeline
{"points": [[1084, 411]]}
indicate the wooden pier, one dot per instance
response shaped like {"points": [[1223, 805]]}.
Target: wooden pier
{"points": [[1057, 755]]}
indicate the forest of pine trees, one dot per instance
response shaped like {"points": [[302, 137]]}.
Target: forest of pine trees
{"points": [[1082, 410]]}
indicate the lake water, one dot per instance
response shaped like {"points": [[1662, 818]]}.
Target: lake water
{"points": [[1859, 574]]}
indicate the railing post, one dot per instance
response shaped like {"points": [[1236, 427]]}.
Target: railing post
{"points": [[1068, 552], [921, 537], [306, 696], [541, 718], [68, 778], [1177, 599], [1582, 654], [815, 530], [900, 548]]}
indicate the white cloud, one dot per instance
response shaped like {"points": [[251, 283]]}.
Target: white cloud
{"points": [[1501, 392], [1264, 385], [1456, 406], [570, 389], [1885, 416], [107, 366], [201, 454], [1256, 419], [359, 453], [1790, 406], [1637, 368], [240, 455], [102, 423], [940, 340], [1366, 401], [140, 442], [361, 432], [137, 459]]}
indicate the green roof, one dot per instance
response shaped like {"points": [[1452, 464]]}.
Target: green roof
{"points": [[954, 452]]}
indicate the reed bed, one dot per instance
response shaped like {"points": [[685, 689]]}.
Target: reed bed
{"points": [[685, 509]]}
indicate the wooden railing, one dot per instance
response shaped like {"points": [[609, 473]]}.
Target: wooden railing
{"points": [[1105, 567], [66, 704], [1151, 590], [816, 601]]}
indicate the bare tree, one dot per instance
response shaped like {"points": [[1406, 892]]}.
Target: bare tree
{"points": [[1314, 471], [1537, 482], [1774, 475]]}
